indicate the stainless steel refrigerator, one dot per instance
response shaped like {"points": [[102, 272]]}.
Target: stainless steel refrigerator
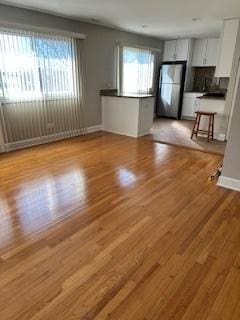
{"points": [[171, 87]]}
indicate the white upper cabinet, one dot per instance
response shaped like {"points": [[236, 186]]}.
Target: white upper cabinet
{"points": [[227, 47], [169, 50], [212, 52], [205, 52], [199, 52], [176, 50], [182, 49]]}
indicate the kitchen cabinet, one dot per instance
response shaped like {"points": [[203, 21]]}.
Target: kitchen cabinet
{"points": [[199, 52], [169, 50], [212, 52], [227, 47], [176, 50], [182, 48], [190, 104], [205, 52]]}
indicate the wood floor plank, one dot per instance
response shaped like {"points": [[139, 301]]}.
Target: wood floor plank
{"points": [[110, 227]]}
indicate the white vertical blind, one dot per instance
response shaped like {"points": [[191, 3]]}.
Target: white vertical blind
{"points": [[136, 69], [40, 88]]}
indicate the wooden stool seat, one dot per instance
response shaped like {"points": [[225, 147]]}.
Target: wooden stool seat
{"points": [[210, 131]]}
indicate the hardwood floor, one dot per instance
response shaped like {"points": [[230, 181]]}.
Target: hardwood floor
{"points": [[110, 227]]}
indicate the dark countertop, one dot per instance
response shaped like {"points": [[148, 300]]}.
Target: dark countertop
{"points": [[115, 93], [193, 91], [212, 97]]}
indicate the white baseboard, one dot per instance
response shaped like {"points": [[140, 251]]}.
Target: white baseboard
{"points": [[187, 118], [94, 128], [229, 183], [221, 137], [121, 133], [217, 136], [53, 137]]}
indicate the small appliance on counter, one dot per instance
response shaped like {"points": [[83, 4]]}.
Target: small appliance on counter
{"points": [[171, 87]]}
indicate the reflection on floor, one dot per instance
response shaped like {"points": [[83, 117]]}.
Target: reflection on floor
{"points": [[105, 226], [178, 132]]}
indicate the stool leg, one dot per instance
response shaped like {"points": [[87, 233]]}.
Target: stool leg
{"points": [[209, 127], [211, 132], [198, 124], [194, 126], [213, 126]]}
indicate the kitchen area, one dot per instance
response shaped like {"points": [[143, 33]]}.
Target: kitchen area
{"points": [[195, 77]]}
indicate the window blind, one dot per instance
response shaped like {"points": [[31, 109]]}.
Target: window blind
{"points": [[40, 87]]}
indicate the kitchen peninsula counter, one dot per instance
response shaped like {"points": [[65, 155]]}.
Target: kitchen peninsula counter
{"points": [[127, 114]]}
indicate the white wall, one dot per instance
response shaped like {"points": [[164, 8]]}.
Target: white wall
{"points": [[231, 165], [1, 139], [231, 87]]}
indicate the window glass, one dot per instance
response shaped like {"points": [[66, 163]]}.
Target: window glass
{"points": [[32, 67], [137, 70]]}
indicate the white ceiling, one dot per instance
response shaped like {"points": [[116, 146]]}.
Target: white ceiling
{"points": [[163, 18]]}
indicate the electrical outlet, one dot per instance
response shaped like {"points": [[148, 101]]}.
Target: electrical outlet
{"points": [[221, 137], [51, 125]]}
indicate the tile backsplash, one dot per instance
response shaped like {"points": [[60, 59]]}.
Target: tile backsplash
{"points": [[204, 80]]}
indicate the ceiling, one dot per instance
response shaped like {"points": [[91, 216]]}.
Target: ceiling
{"points": [[159, 18]]}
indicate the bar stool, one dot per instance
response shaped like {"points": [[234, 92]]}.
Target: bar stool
{"points": [[210, 131]]}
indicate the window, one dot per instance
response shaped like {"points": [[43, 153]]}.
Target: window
{"points": [[136, 69], [35, 67], [41, 91]]}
